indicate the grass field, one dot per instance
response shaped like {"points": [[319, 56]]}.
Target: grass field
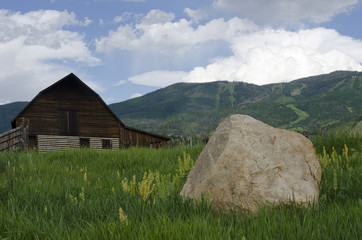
{"points": [[302, 115], [134, 194]]}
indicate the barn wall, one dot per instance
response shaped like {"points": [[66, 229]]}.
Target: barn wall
{"points": [[92, 117], [96, 142], [131, 137], [57, 143]]}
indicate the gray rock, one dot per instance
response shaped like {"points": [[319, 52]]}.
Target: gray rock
{"points": [[247, 163]]}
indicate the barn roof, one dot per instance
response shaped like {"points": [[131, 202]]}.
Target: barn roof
{"points": [[72, 77]]}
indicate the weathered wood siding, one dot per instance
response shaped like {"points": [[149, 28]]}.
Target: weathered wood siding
{"points": [[70, 109], [132, 137], [57, 143], [97, 142]]}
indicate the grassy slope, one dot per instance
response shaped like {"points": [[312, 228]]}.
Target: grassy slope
{"points": [[77, 194]]}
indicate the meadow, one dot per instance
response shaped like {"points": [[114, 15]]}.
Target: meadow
{"points": [[134, 194]]}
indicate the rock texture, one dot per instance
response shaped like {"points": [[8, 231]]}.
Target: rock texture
{"points": [[247, 163]]}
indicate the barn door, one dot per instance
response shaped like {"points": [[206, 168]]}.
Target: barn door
{"points": [[69, 122]]}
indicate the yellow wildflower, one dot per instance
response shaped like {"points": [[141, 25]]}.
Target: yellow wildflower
{"points": [[82, 195], [122, 217]]}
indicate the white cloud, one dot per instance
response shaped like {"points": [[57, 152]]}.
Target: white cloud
{"points": [[157, 16], [136, 95], [157, 33], [159, 78], [289, 10], [3, 101], [270, 56], [127, 16], [195, 15], [86, 21], [254, 54], [35, 51], [119, 83], [118, 19]]}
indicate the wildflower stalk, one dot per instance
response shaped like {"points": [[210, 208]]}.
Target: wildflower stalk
{"points": [[335, 184], [122, 217]]}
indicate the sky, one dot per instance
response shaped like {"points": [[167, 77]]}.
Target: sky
{"points": [[127, 48]]}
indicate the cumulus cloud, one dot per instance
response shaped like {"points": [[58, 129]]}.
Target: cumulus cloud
{"points": [[269, 56], [157, 32], [125, 16], [289, 10], [195, 15], [156, 16], [158, 78], [35, 50], [256, 55]]}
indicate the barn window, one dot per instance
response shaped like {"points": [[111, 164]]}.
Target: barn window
{"points": [[84, 142], [68, 122], [106, 143]]}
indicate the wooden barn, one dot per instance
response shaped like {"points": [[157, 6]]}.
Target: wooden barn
{"points": [[69, 114]]}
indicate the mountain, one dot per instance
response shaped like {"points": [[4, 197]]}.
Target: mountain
{"points": [[309, 104], [8, 112]]}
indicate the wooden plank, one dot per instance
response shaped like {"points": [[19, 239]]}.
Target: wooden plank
{"points": [[9, 137], [9, 132], [51, 142], [13, 139]]}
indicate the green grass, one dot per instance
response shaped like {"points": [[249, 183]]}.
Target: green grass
{"points": [[302, 115], [285, 100], [78, 195]]}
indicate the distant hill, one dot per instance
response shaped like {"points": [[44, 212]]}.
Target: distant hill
{"points": [[8, 112], [310, 104]]}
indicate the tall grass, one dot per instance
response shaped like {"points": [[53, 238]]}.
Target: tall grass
{"points": [[331, 141], [85, 194]]}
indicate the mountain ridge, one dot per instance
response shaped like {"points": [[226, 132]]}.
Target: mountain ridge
{"points": [[312, 104], [304, 104]]}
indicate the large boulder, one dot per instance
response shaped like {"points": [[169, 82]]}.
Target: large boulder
{"points": [[247, 163]]}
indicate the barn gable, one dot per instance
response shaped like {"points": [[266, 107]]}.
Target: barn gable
{"points": [[76, 115]]}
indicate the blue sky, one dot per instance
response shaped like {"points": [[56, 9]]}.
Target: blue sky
{"points": [[127, 48]]}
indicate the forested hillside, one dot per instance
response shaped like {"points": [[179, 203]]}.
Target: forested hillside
{"points": [[310, 104]]}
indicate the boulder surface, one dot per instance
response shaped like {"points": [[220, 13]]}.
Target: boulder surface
{"points": [[247, 164]]}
